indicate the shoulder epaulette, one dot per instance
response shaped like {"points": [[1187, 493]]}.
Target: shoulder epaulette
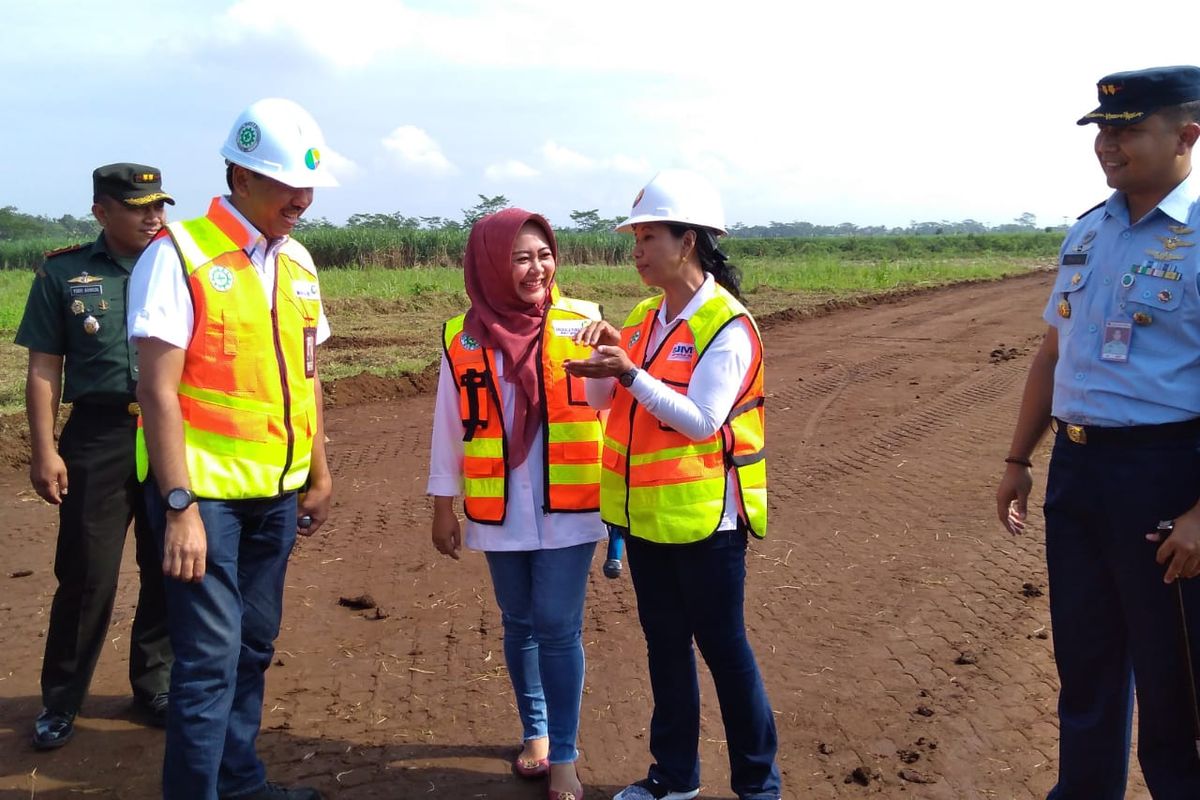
{"points": [[1093, 208], [71, 248]]}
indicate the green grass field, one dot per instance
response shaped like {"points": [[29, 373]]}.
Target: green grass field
{"points": [[387, 321]]}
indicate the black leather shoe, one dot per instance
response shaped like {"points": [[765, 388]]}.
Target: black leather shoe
{"points": [[53, 729], [273, 791], [154, 708]]}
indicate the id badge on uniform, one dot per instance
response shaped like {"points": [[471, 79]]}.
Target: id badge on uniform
{"points": [[310, 352], [1118, 335]]}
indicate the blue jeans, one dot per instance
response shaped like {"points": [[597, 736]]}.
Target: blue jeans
{"points": [[1116, 624], [696, 591], [540, 594], [223, 632]]}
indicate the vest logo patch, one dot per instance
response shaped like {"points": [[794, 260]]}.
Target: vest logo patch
{"points": [[682, 352], [220, 278], [468, 342], [307, 290], [567, 327], [637, 335]]}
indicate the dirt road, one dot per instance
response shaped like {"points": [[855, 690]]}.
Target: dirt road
{"points": [[899, 629]]}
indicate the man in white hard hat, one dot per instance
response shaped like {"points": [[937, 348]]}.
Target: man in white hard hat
{"points": [[226, 311]]}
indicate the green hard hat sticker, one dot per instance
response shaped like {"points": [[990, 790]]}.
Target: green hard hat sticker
{"points": [[248, 137], [312, 158]]}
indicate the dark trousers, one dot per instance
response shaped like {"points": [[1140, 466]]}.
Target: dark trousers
{"points": [[1116, 624], [223, 630], [97, 444], [696, 592]]}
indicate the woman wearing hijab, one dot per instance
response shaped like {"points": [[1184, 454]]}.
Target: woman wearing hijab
{"points": [[514, 435], [685, 475]]}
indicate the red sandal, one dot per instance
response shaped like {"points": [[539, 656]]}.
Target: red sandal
{"points": [[530, 768]]}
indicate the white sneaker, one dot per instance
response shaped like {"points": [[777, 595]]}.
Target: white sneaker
{"points": [[649, 789]]}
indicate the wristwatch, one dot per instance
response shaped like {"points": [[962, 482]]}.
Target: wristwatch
{"points": [[626, 378], [179, 498]]}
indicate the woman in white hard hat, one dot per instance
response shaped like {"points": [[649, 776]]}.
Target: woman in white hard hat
{"points": [[512, 434], [684, 474]]}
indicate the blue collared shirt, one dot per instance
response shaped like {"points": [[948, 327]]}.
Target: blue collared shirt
{"points": [[1144, 274]]}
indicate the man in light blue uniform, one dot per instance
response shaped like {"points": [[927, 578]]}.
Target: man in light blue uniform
{"points": [[1127, 448]]}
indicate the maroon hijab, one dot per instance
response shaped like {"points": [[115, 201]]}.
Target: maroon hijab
{"points": [[498, 318]]}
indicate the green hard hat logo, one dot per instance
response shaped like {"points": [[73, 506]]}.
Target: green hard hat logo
{"points": [[248, 137], [312, 158]]}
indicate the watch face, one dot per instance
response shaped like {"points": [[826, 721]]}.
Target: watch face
{"points": [[179, 499]]}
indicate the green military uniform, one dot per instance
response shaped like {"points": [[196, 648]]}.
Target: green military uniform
{"points": [[76, 309]]}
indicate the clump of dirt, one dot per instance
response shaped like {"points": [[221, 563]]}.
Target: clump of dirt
{"points": [[1003, 353], [1031, 590], [863, 776], [360, 602], [924, 711], [912, 776], [966, 657], [908, 756], [15, 430], [368, 388]]}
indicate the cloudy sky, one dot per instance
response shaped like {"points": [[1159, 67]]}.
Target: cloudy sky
{"points": [[865, 112]]}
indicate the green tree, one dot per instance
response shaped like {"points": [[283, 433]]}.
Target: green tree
{"points": [[486, 205]]}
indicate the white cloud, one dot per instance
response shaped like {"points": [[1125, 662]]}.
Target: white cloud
{"points": [[631, 166], [342, 168], [414, 149], [348, 34], [510, 170], [565, 159]]}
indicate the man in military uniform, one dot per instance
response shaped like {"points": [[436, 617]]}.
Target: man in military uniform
{"points": [[74, 328], [1118, 373]]}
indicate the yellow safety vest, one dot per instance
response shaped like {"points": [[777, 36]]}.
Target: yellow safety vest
{"points": [[247, 393], [660, 484], [571, 429]]}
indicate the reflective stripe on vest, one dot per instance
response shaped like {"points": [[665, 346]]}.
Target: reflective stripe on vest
{"points": [[660, 484], [248, 406], [571, 429]]}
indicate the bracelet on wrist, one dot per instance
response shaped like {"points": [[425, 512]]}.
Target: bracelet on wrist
{"points": [[1024, 462]]}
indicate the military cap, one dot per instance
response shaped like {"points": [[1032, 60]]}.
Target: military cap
{"points": [[132, 184], [1127, 98]]}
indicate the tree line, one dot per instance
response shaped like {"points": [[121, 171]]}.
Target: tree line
{"points": [[16, 226]]}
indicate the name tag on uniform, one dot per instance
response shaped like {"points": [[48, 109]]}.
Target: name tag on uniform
{"points": [[307, 290], [310, 352], [1075, 259], [567, 327], [94, 288], [1118, 336]]}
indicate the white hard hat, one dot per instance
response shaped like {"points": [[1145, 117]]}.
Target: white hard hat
{"points": [[279, 139], [677, 195]]}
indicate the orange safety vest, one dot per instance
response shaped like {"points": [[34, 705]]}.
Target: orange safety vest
{"points": [[571, 429], [247, 393], [660, 484]]}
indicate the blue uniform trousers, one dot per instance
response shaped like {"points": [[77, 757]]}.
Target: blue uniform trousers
{"points": [[1116, 624]]}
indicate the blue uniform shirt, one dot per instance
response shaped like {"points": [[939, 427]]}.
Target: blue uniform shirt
{"points": [[1145, 275]]}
